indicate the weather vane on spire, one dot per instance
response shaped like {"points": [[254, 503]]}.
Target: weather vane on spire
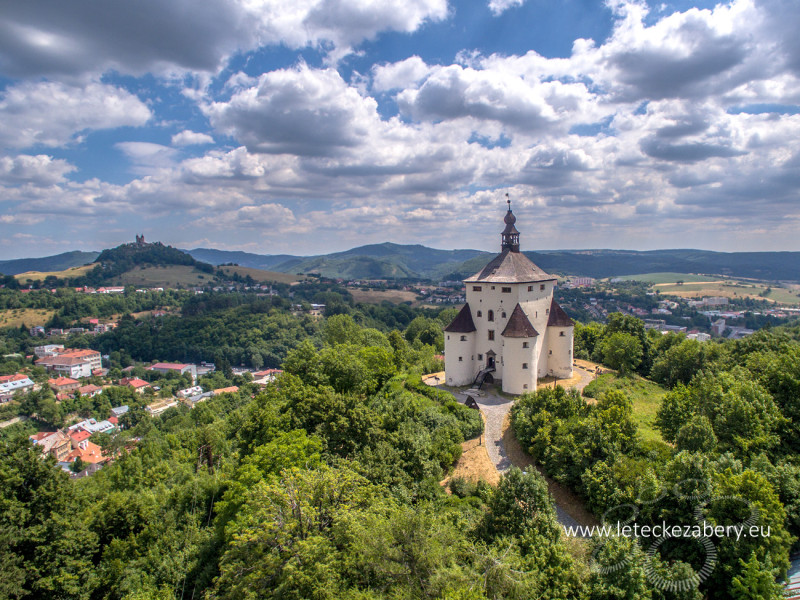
{"points": [[508, 200]]}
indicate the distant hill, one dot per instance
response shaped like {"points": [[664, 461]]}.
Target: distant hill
{"points": [[113, 263], [396, 261], [59, 262], [375, 261]]}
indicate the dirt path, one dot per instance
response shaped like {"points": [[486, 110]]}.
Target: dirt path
{"points": [[504, 452]]}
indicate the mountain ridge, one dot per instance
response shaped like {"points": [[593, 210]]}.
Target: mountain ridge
{"points": [[415, 261]]}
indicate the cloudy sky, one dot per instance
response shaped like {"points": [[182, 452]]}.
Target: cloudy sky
{"points": [[313, 126]]}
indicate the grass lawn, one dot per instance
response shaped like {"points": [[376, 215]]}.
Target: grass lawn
{"points": [[646, 396]]}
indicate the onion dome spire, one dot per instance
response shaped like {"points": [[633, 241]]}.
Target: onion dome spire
{"points": [[509, 239]]}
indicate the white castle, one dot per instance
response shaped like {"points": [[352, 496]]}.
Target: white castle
{"points": [[511, 329]]}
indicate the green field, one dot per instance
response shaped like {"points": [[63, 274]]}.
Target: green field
{"points": [[169, 276], [646, 396], [730, 289], [263, 276], [40, 275], [665, 277]]}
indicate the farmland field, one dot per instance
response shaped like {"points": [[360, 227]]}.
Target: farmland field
{"points": [[378, 296], [40, 275], [729, 289], [661, 278], [263, 276]]}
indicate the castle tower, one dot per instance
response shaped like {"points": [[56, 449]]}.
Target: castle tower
{"points": [[511, 326]]}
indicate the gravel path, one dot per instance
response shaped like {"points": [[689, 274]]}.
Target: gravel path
{"points": [[495, 408]]}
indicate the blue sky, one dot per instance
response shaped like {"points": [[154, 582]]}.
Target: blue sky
{"points": [[318, 125]]}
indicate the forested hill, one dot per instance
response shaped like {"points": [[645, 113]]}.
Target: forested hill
{"points": [[59, 262], [396, 261], [116, 261]]}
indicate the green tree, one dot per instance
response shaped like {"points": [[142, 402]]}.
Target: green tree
{"points": [[621, 351]]}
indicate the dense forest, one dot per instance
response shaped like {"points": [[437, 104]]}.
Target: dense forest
{"points": [[326, 484], [728, 454]]}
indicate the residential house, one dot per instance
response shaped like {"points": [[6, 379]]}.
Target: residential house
{"points": [[118, 411], [226, 390], [11, 384], [138, 385], [88, 452], [62, 385], [156, 408], [89, 390], [265, 377], [190, 391], [93, 426], [48, 350], [54, 443]]}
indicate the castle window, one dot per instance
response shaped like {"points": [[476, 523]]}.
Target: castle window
{"points": [[448, 337], [480, 356], [524, 365], [506, 290], [492, 287], [547, 311], [530, 288], [490, 315], [479, 314], [504, 315], [476, 288], [524, 344], [524, 386], [561, 334], [463, 338], [541, 287], [460, 359], [491, 334], [550, 353]]}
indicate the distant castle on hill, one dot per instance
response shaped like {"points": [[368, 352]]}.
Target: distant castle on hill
{"points": [[140, 240]]}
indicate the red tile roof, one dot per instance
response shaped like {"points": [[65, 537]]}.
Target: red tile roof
{"points": [[62, 381], [171, 366]]}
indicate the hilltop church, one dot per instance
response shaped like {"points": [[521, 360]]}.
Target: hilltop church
{"points": [[511, 329]]}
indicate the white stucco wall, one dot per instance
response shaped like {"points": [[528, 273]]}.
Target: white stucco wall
{"points": [[459, 358], [517, 379], [559, 359]]}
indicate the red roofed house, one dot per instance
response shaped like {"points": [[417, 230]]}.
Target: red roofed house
{"points": [[89, 390], [265, 377], [226, 390], [79, 435], [63, 384], [138, 385], [88, 452]]}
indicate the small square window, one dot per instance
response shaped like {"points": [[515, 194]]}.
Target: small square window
{"points": [[492, 287], [460, 359], [479, 314], [560, 334], [480, 356], [491, 334], [550, 353], [504, 315], [547, 311], [541, 287], [506, 290], [476, 288], [524, 344], [524, 386], [530, 288], [463, 338], [524, 365]]}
